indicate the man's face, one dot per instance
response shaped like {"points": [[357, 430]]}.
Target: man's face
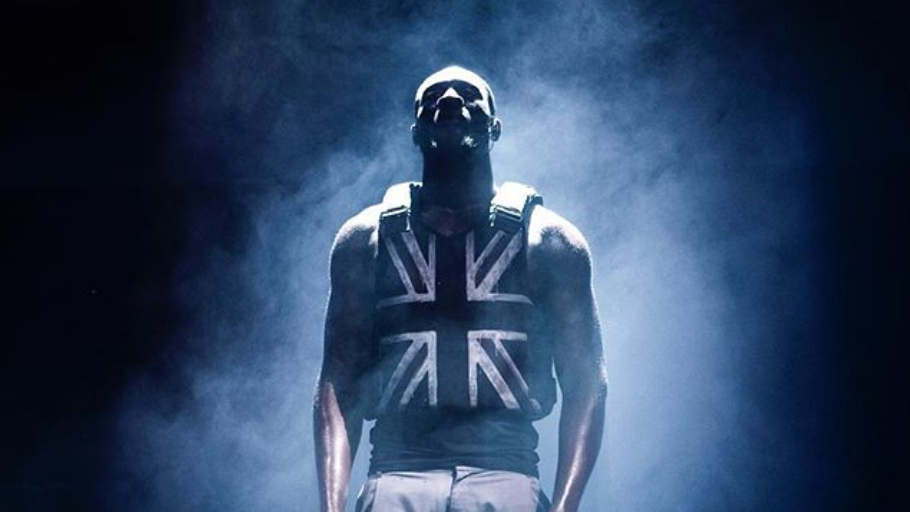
{"points": [[454, 111]]}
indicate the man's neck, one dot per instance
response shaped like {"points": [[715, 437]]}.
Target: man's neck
{"points": [[457, 184]]}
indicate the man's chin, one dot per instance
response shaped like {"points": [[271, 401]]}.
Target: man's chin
{"points": [[459, 140]]}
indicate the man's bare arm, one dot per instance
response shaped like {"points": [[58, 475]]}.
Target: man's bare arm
{"points": [[571, 309], [338, 414]]}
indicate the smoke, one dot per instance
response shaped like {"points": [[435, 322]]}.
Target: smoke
{"points": [[671, 135]]}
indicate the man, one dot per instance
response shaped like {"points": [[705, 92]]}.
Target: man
{"points": [[451, 302]]}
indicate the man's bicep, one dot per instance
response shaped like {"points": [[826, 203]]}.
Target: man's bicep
{"points": [[578, 349], [346, 335], [349, 310]]}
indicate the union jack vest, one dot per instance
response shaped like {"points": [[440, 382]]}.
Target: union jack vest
{"points": [[455, 327]]}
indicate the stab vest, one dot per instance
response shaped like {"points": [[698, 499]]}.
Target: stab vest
{"points": [[455, 327]]}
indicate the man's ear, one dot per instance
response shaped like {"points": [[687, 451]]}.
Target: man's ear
{"points": [[496, 129], [414, 135]]}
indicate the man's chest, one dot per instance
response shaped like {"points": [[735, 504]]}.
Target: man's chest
{"points": [[450, 273], [454, 322]]}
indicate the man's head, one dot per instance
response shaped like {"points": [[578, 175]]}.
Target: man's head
{"points": [[455, 114]]}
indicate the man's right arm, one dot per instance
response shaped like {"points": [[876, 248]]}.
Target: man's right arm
{"points": [[338, 411]]}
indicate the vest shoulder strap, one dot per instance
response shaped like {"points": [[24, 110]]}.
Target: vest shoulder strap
{"points": [[511, 207], [396, 207]]}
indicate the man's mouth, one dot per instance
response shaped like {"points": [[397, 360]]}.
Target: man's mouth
{"points": [[450, 117]]}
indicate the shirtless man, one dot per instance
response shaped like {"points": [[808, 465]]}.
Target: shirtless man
{"points": [[451, 304]]}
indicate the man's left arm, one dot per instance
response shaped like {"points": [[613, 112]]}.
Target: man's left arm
{"points": [[571, 310]]}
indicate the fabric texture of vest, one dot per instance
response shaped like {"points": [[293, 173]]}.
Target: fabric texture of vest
{"points": [[455, 327], [463, 365]]}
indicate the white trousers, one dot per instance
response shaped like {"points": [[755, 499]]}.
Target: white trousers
{"points": [[462, 489]]}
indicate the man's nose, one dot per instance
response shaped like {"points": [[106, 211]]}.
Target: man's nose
{"points": [[450, 99]]}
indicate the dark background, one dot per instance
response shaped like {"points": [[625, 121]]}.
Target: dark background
{"points": [[98, 204]]}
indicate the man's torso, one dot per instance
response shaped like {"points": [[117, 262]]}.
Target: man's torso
{"points": [[463, 363]]}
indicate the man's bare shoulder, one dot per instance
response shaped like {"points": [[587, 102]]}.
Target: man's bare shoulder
{"points": [[358, 235], [554, 239]]}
